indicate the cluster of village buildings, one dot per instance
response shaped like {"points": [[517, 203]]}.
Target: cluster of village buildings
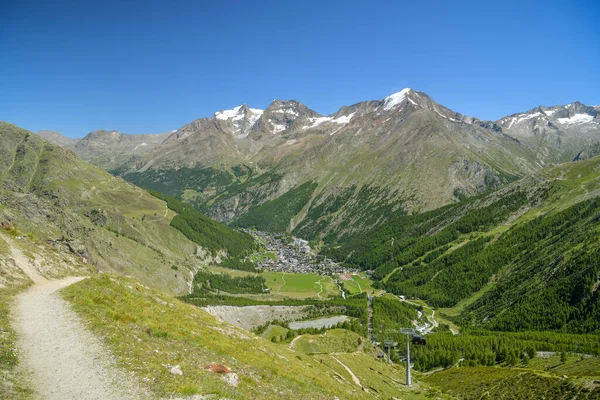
{"points": [[295, 255]]}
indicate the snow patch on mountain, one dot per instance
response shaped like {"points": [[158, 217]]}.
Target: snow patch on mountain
{"points": [[576, 119], [443, 116], [523, 117], [549, 112], [318, 121], [343, 120], [395, 99], [255, 115], [277, 128], [289, 111], [236, 114], [233, 114]]}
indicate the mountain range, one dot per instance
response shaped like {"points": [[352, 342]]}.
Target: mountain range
{"points": [[405, 152], [510, 260]]}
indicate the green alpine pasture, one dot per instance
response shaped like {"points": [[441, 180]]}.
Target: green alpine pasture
{"points": [[300, 285]]}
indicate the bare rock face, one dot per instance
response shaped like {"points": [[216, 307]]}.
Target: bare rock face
{"points": [[589, 152], [97, 216], [471, 177], [110, 149], [556, 133]]}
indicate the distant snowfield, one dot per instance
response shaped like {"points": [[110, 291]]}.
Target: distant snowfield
{"points": [[343, 120], [576, 119]]}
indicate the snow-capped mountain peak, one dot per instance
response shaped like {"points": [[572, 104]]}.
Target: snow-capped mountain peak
{"points": [[554, 123], [283, 116], [395, 99], [238, 113], [242, 118]]}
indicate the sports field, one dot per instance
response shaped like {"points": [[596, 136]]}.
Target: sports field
{"points": [[301, 285], [357, 283]]}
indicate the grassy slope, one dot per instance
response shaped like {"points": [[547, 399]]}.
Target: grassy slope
{"points": [[333, 341], [570, 380], [65, 209], [121, 311], [274, 331], [50, 193], [551, 191], [358, 284]]}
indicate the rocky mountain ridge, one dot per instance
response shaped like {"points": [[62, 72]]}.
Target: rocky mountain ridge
{"points": [[556, 133], [404, 152]]}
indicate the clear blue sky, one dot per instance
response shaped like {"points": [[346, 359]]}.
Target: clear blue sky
{"points": [[152, 66]]}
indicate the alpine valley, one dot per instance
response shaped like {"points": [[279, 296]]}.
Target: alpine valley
{"points": [[279, 253], [287, 168]]}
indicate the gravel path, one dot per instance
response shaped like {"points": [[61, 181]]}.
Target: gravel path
{"points": [[63, 359]]}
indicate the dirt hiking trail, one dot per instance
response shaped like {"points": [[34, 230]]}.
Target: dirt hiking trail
{"points": [[60, 356]]}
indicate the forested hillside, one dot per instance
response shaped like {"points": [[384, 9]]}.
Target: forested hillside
{"points": [[208, 233], [524, 258]]}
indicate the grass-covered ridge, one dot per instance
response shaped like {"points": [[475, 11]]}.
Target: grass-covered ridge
{"points": [[79, 208], [333, 341]]}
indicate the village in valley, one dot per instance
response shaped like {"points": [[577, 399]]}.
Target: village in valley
{"points": [[290, 254]]}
